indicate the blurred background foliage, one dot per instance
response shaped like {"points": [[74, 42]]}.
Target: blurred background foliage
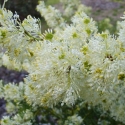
{"points": [[22, 7]]}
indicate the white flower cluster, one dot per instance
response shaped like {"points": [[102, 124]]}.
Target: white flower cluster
{"points": [[74, 120], [55, 18], [24, 119], [52, 16], [58, 69], [75, 62], [18, 39]]}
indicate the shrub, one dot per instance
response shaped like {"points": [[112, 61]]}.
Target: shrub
{"points": [[71, 67]]}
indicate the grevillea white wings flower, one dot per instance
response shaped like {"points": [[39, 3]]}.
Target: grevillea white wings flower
{"points": [[73, 62], [58, 69], [19, 40], [53, 73], [106, 73]]}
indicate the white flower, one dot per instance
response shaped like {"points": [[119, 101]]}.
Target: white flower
{"points": [[74, 120]]}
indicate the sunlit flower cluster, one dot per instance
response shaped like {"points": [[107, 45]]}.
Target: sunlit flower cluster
{"points": [[72, 61]]}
